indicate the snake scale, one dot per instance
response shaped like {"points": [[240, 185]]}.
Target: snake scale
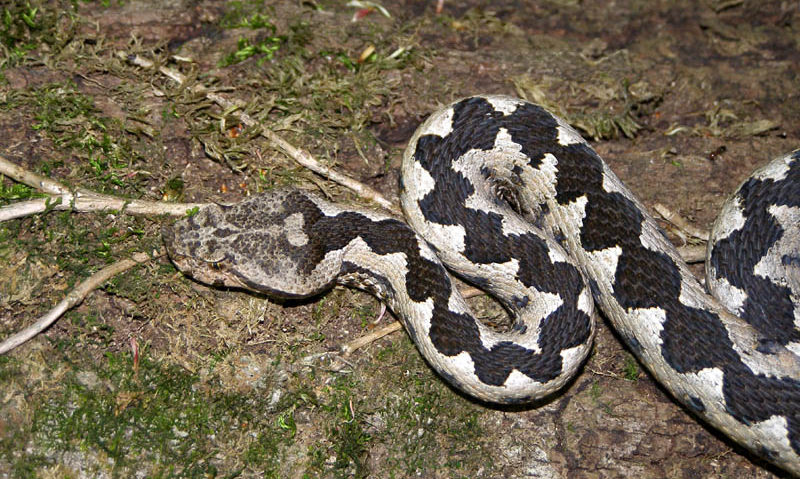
{"points": [[513, 200]]}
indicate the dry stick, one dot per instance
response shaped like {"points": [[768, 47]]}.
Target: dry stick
{"points": [[72, 299], [301, 156], [85, 201], [693, 253], [22, 209], [23, 175], [362, 341], [79, 200]]}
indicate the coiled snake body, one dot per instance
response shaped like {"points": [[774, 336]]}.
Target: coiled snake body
{"points": [[512, 199]]}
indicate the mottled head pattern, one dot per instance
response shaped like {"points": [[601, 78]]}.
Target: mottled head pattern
{"points": [[269, 243]]}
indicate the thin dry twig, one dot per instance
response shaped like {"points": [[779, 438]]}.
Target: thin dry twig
{"points": [[358, 343], [25, 176], [301, 156], [75, 297], [368, 338], [689, 253], [22, 209], [87, 201]]}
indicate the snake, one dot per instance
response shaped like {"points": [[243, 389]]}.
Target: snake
{"points": [[511, 199]]}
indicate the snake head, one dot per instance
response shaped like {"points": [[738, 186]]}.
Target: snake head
{"points": [[194, 246], [265, 244]]}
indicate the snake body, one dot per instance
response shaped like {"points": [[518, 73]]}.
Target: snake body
{"points": [[512, 199]]}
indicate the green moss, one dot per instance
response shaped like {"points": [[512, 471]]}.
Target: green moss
{"points": [[159, 418], [426, 426], [365, 314], [266, 47], [595, 391], [83, 249], [173, 189], [12, 192], [245, 14], [137, 284], [9, 368], [344, 451], [27, 26], [631, 368], [73, 122]]}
